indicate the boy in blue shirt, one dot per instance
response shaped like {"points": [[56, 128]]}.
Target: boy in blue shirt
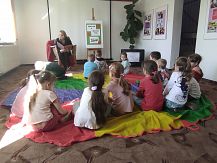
{"points": [[90, 66]]}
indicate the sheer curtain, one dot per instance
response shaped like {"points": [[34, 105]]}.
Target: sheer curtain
{"points": [[7, 23]]}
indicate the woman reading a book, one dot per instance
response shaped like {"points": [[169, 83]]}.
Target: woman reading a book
{"points": [[64, 47]]}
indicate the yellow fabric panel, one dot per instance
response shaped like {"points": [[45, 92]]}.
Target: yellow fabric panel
{"points": [[136, 123], [81, 76]]}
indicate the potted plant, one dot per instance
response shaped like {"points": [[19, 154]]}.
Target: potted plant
{"points": [[134, 24]]}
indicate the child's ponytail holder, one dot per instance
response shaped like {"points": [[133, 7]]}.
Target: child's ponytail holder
{"points": [[94, 88]]}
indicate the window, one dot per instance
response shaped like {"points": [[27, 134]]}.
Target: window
{"points": [[7, 24]]}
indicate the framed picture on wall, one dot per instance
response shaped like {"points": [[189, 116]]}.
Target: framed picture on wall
{"points": [[160, 23], [211, 20], [148, 25]]}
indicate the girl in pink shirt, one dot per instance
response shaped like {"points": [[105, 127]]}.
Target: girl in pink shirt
{"points": [[149, 96], [45, 111], [122, 101]]}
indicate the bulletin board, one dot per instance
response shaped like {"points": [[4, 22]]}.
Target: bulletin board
{"points": [[94, 34]]}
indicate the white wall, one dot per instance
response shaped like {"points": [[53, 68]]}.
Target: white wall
{"points": [[206, 48], [32, 29], [169, 47], [118, 23], [9, 58], [71, 16]]}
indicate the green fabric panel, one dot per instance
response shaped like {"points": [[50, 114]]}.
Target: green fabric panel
{"points": [[71, 83], [202, 111]]}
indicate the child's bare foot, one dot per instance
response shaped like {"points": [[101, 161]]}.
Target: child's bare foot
{"points": [[67, 117]]}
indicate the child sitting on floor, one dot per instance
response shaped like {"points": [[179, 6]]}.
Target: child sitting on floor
{"points": [[90, 66], [101, 63], [122, 101], [124, 61], [22, 99], [164, 73], [195, 60], [155, 55], [177, 89], [45, 111], [149, 96], [93, 105]]}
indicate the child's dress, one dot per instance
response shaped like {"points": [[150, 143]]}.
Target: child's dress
{"points": [[152, 94], [126, 65], [101, 64], [84, 115], [176, 91], [121, 102]]}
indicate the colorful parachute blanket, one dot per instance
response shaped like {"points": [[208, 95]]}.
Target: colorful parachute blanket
{"points": [[129, 125]]}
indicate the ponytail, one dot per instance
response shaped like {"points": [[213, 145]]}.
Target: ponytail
{"points": [[97, 101], [155, 77], [98, 105], [117, 69], [184, 67], [124, 84], [32, 100], [24, 82], [151, 69]]}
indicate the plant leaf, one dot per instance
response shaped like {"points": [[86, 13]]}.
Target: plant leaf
{"points": [[134, 1], [129, 7], [138, 13]]}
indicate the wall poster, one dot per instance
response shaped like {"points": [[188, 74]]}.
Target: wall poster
{"points": [[160, 23], [211, 20], [148, 25]]}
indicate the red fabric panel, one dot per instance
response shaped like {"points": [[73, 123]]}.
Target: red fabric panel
{"points": [[65, 134], [132, 78]]}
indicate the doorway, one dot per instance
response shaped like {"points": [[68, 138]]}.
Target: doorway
{"points": [[190, 18]]}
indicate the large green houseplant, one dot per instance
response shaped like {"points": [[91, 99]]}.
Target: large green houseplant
{"points": [[134, 24]]}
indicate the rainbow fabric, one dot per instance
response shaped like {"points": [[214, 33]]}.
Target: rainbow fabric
{"points": [[129, 125]]}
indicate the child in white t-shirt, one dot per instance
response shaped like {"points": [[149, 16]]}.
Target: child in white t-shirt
{"points": [[91, 113], [177, 89]]}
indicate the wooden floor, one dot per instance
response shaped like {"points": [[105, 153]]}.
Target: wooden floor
{"points": [[165, 147]]}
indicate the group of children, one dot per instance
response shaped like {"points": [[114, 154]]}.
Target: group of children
{"points": [[43, 111], [96, 62]]}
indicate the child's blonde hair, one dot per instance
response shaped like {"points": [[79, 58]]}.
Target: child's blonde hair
{"points": [[24, 82], [117, 71]]}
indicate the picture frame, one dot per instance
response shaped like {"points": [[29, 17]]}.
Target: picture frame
{"points": [[210, 31], [94, 34], [148, 25], [160, 23]]}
